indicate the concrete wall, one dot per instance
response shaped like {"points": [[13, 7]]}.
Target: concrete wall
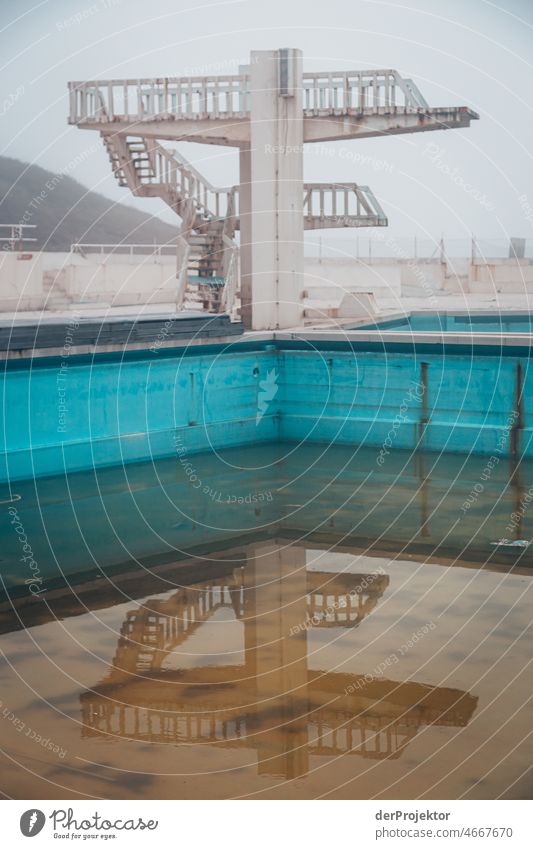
{"points": [[157, 513], [117, 409], [142, 511], [350, 275], [21, 282], [118, 283], [76, 413], [128, 280], [455, 403]]}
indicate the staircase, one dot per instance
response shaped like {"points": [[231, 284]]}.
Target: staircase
{"points": [[205, 268], [207, 255], [206, 263]]}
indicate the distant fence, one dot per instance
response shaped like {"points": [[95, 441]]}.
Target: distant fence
{"points": [[84, 248], [382, 245], [13, 236]]}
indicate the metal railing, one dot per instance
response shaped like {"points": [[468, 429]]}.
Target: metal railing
{"points": [[146, 165], [228, 96], [231, 275], [382, 245], [15, 236], [359, 91], [171, 168], [341, 205], [179, 97], [136, 249]]}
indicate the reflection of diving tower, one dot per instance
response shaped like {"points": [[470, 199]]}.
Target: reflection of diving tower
{"points": [[268, 111], [272, 703]]}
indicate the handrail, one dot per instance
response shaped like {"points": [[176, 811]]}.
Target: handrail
{"points": [[172, 169], [361, 91], [119, 248], [348, 201], [228, 96], [183, 250], [16, 237], [231, 275], [182, 97]]}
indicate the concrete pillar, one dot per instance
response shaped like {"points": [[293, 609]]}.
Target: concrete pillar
{"points": [[245, 204], [275, 605], [273, 270]]}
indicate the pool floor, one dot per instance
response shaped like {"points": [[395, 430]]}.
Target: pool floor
{"points": [[304, 623]]}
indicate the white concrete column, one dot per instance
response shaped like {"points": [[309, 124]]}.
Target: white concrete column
{"points": [[276, 655], [245, 219], [276, 191]]}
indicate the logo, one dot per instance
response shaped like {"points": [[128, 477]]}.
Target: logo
{"points": [[32, 822], [268, 389]]}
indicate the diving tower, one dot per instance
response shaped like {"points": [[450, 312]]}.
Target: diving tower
{"points": [[269, 111]]}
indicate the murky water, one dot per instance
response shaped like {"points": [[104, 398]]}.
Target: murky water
{"points": [[354, 634]]}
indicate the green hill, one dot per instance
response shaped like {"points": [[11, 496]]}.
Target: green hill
{"points": [[65, 212]]}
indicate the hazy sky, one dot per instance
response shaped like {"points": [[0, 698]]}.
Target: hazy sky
{"points": [[460, 52]]}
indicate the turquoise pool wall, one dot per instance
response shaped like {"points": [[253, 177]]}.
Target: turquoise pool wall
{"points": [[126, 409], [440, 402], [100, 522], [469, 322], [119, 410]]}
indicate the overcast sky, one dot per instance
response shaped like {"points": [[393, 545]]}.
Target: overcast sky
{"points": [[460, 52]]}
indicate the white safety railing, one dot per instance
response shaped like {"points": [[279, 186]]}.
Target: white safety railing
{"points": [[231, 275], [359, 91], [343, 204], [228, 96], [180, 97], [173, 170], [382, 245], [136, 249], [13, 236], [145, 164]]}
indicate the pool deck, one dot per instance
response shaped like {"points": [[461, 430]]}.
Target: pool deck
{"points": [[105, 329]]}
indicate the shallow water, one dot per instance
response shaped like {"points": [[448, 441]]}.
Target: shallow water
{"points": [[356, 636]]}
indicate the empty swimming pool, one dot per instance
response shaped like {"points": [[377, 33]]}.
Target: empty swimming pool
{"points": [[281, 569], [489, 322]]}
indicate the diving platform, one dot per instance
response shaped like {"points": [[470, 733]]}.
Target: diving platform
{"points": [[269, 112]]}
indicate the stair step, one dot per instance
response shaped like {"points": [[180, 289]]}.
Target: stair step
{"points": [[198, 280]]}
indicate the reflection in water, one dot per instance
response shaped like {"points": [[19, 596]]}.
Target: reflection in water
{"points": [[425, 505], [272, 701], [222, 648]]}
